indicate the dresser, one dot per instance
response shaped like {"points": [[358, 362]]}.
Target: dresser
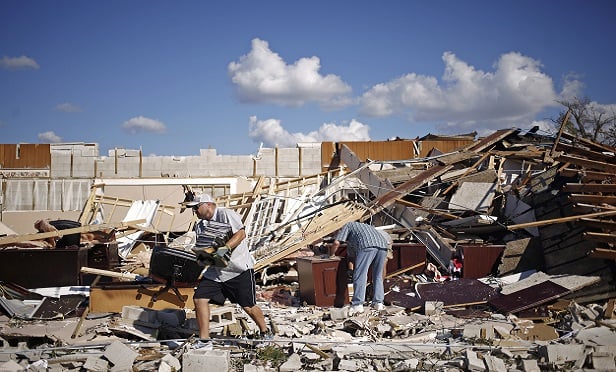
{"points": [[322, 281]]}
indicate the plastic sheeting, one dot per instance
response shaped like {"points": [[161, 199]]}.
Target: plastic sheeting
{"points": [[38, 195]]}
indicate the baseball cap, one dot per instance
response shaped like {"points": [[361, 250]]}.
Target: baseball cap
{"points": [[200, 198]]}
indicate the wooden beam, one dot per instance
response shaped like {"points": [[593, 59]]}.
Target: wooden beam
{"points": [[587, 163], [560, 220], [586, 175], [593, 199], [596, 146], [489, 140], [311, 230], [590, 187], [390, 197], [606, 225], [75, 230], [405, 269], [609, 254], [560, 132], [430, 210], [603, 237], [472, 168], [111, 274], [577, 150]]}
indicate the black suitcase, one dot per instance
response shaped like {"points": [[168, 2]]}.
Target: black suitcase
{"points": [[175, 267]]}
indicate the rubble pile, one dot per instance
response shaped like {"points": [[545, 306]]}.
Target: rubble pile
{"points": [[504, 258], [564, 335]]}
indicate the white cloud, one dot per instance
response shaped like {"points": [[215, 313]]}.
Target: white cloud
{"points": [[609, 109], [49, 137], [271, 133], [467, 98], [68, 107], [142, 124], [572, 87], [262, 76], [18, 63]]}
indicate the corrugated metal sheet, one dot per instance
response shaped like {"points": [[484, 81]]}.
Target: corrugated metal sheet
{"points": [[25, 156], [389, 150], [444, 145]]}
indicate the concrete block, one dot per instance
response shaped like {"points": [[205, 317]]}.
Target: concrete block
{"points": [[473, 363], [530, 365], [206, 361], [253, 368], [603, 361], [222, 315], [494, 364], [560, 354], [120, 355], [172, 361], [10, 366], [433, 307], [140, 314], [338, 313], [96, 364], [294, 363]]}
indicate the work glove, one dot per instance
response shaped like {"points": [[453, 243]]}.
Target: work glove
{"points": [[222, 256], [224, 252]]}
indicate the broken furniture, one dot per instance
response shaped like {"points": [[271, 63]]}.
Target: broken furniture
{"points": [[111, 297], [322, 281], [46, 267]]}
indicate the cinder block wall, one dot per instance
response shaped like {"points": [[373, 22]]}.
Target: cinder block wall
{"points": [[121, 163]]}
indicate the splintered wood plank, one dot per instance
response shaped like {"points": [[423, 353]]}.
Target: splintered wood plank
{"points": [[529, 297], [390, 197], [605, 225], [561, 220], [587, 175], [590, 187], [75, 230], [603, 253], [586, 163], [488, 141], [375, 184], [594, 146], [603, 237], [311, 229], [593, 199]]}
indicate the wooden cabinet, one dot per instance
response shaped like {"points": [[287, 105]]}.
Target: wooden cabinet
{"points": [[322, 281], [407, 258], [36, 267], [481, 260]]}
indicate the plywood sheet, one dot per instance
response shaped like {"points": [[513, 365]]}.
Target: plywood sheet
{"points": [[462, 292], [528, 297]]}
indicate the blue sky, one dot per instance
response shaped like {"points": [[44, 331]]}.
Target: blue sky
{"points": [[174, 77]]}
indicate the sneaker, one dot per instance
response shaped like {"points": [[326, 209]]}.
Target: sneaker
{"points": [[378, 306], [356, 309], [207, 345], [266, 336]]}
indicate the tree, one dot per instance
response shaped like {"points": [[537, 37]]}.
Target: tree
{"points": [[589, 120]]}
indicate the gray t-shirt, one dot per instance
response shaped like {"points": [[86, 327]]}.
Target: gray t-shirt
{"points": [[241, 259]]}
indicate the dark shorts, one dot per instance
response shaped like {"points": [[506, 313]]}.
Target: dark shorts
{"points": [[239, 290]]}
